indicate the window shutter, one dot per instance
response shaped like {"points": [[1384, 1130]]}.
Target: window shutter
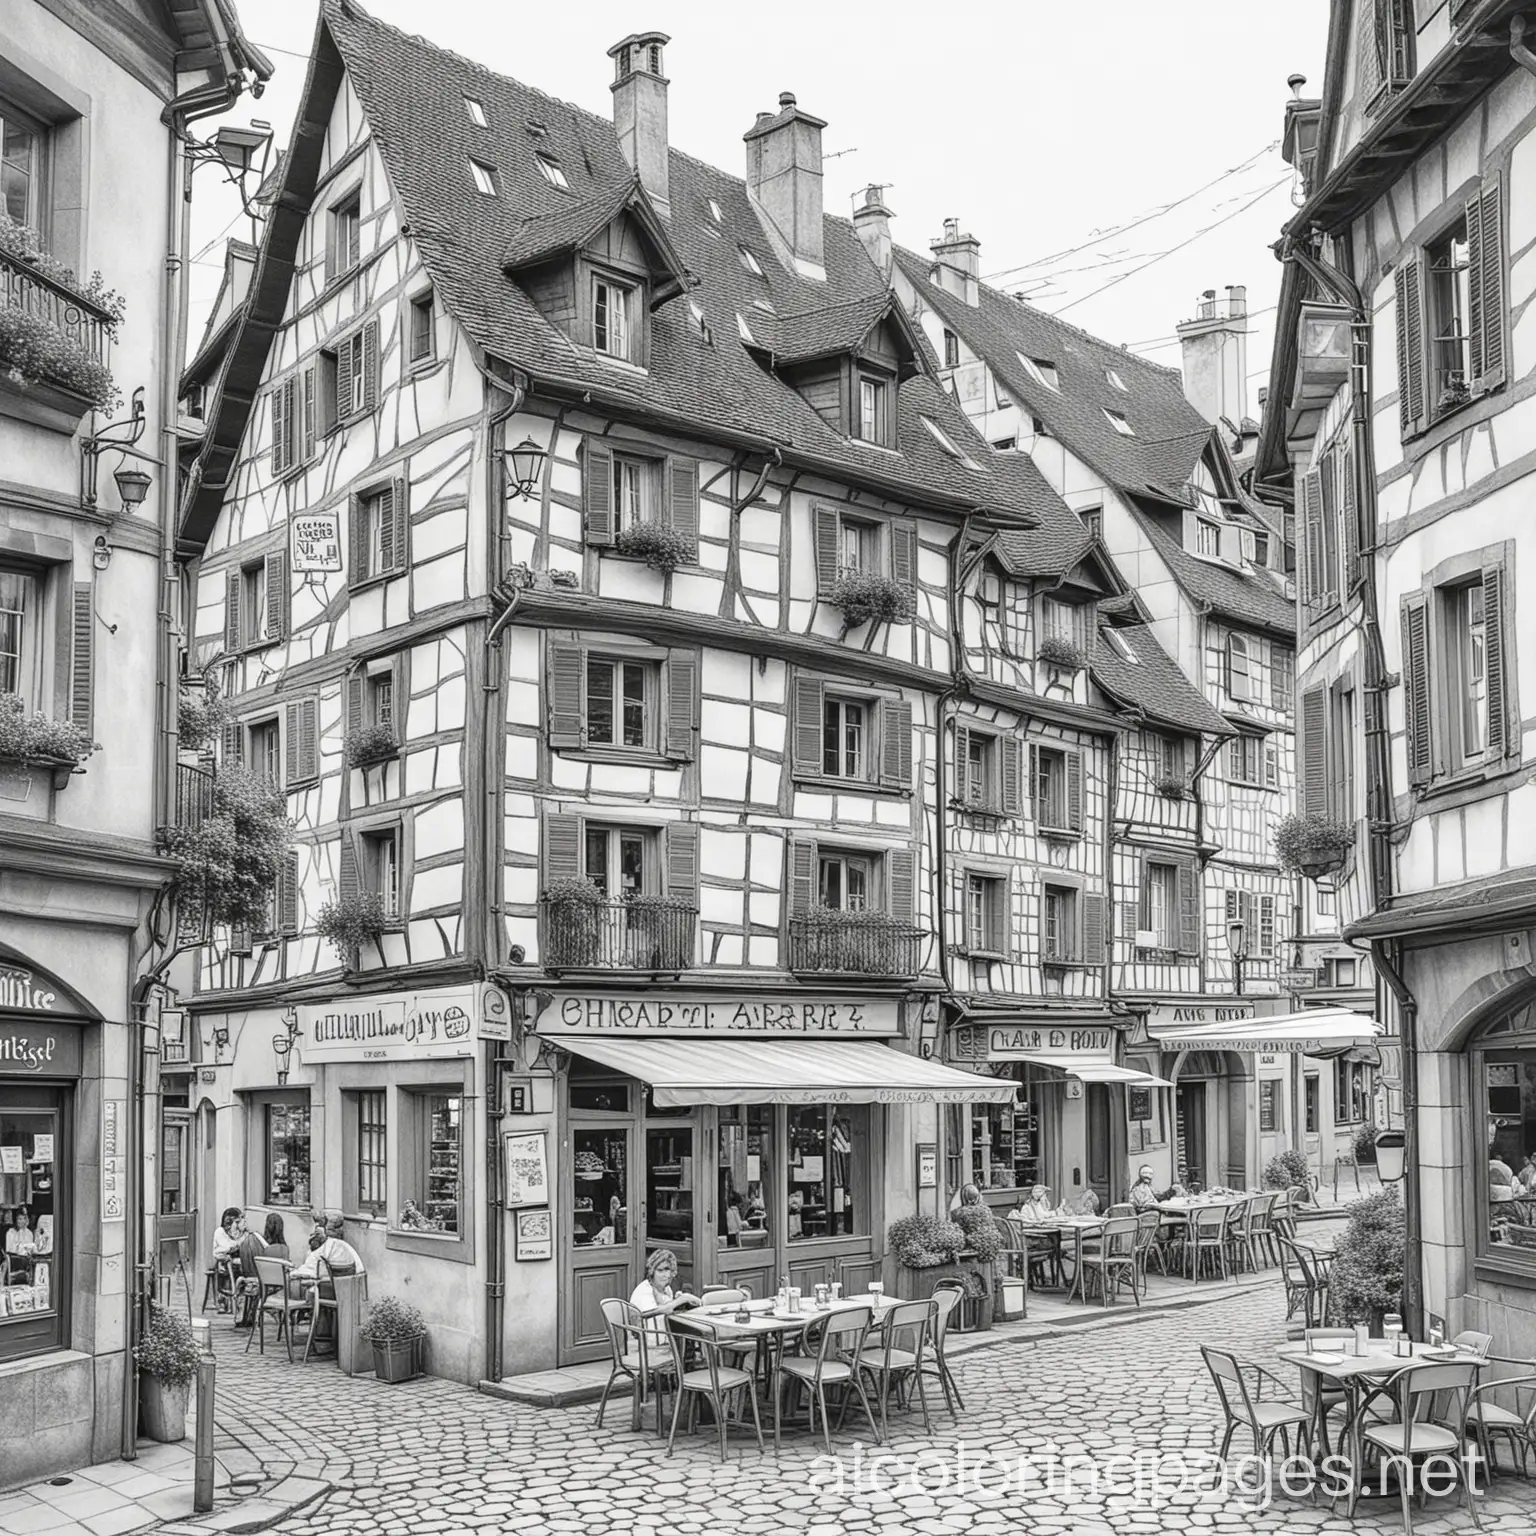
{"points": [[1416, 702], [392, 529], [1493, 661], [357, 540], [346, 871], [354, 703], [1351, 543], [904, 557], [1314, 751], [82, 670], [370, 366], [562, 847], [233, 744], [682, 703], [683, 499], [962, 790], [1410, 348], [308, 424], [1034, 782], [1312, 533], [807, 750], [682, 861], [901, 885], [302, 745], [896, 744], [344, 380], [1091, 950], [1485, 256], [802, 875], [567, 684], [282, 404], [597, 491], [1010, 776], [288, 893], [279, 598], [1074, 791], [999, 928], [825, 523], [232, 609], [1189, 907]]}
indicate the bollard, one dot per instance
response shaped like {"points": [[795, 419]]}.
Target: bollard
{"points": [[202, 1474]]}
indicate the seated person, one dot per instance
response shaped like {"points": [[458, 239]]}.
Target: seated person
{"points": [[1501, 1181], [1143, 1196], [337, 1252], [1088, 1203], [1037, 1207], [274, 1238], [227, 1239], [654, 1297]]}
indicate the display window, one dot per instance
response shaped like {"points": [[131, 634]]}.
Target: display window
{"points": [[34, 1147]]}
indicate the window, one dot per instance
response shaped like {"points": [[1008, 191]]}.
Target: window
{"points": [[750, 262], [872, 426], [1282, 677], [1056, 789], [1093, 521], [1260, 547], [1469, 642], [1006, 444], [381, 868], [21, 166], [1310, 1090], [1245, 760], [1269, 1105], [945, 441], [951, 349], [21, 636], [977, 772], [423, 344], [1503, 1108], [845, 737], [634, 484], [35, 1183], [618, 861], [285, 1167], [1207, 538], [483, 177], [1160, 905], [380, 686], [714, 211], [850, 737], [1345, 973], [1240, 679], [1005, 1147], [610, 317], [378, 533], [1060, 621], [344, 250], [1058, 935], [858, 547], [432, 1175], [371, 1162], [352, 397], [294, 420], [1257, 915], [550, 167], [826, 1172], [1120, 424], [1351, 1101], [621, 703], [1168, 757], [986, 915], [1041, 372], [845, 882], [746, 1176], [476, 112], [263, 750], [1393, 36], [253, 603], [1324, 900]]}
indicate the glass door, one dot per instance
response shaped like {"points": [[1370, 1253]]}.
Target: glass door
{"points": [[602, 1253], [672, 1190], [174, 1208], [744, 1199], [34, 1213], [1191, 1131]]}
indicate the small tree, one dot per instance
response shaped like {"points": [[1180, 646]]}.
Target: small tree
{"points": [[1367, 1276], [1287, 1169]]}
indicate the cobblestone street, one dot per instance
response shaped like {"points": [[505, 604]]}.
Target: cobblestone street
{"points": [[434, 1457]]}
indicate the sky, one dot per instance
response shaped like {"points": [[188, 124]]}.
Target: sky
{"points": [[1114, 159]]}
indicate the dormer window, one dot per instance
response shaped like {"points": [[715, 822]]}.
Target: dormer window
{"points": [[1119, 423], [484, 178], [951, 349], [552, 172], [1207, 538], [476, 112], [1041, 372], [873, 425], [611, 317], [750, 262]]}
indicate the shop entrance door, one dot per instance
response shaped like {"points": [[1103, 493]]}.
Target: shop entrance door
{"points": [[1101, 1150], [1191, 1127], [674, 1197], [603, 1254], [174, 1210]]}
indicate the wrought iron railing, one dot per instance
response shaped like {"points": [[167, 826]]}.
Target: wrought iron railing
{"points": [[852, 944], [651, 934], [194, 795], [23, 287]]}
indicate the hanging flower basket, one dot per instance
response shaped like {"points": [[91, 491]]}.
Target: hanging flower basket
{"points": [[866, 597], [371, 744], [1313, 844], [662, 548], [200, 716], [349, 922]]}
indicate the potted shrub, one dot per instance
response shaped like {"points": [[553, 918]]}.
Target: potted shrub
{"points": [[1287, 1170], [200, 716], [349, 922], [983, 1245], [371, 744], [1367, 1276], [167, 1357], [1058, 651], [396, 1330], [868, 597], [661, 547], [1172, 786], [928, 1250], [1365, 1145], [36, 741], [658, 935], [574, 911], [1313, 844]]}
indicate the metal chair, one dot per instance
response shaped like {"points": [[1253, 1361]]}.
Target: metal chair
{"points": [[833, 1344], [892, 1363], [713, 1380], [1149, 1245], [947, 1295], [1121, 1208], [1206, 1238], [1245, 1409], [1239, 1238], [1312, 1285], [272, 1277], [323, 1301], [630, 1346], [1488, 1418], [1470, 1342], [1109, 1257]]}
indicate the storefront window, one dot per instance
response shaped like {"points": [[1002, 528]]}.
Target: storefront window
{"points": [[173, 1159], [31, 1152], [433, 1191], [1269, 1106], [372, 1127], [746, 1156], [1505, 1081], [822, 1172], [669, 1176], [285, 1145], [1350, 1092], [1005, 1146], [598, 1162], [1144, 1109]]}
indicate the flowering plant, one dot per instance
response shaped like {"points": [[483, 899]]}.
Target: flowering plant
{"points": [[391, 1320], [1312, 842], [662, 548], [866, 595], [200, 716], [167, 1351], [351, 921], [36, 738], [370, 744], [1058, 651]]}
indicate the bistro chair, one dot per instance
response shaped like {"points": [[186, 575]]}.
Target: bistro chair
{"points": [[1109, 1257], [736, 1350], [1261, 1221], [1206, 1238], [1238, 1240], [1247, 1409], [1320, 1394], [1312, 1286], [1121, 1208], [1414, 1435], [891, 1363], [1516, 1422], [712, 1379], [1149, 1245], [1470, 1342], [274, 1299], [947, 1295], [323, 1300], [635, 1353], [833, 1344]]}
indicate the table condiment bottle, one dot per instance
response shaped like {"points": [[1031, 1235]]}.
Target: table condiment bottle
{"points": [[742, 1314], [781, 1301], [837, 1290], [1362, 1338], [1436, 1338]]}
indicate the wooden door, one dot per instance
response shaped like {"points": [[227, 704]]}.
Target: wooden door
{"points": [[601, 1240], [674, 1193], [1101, 1151], [1191, 1132], [174, 1210]]}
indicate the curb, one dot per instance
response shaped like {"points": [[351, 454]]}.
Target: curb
{"points": [[258, 1513]]}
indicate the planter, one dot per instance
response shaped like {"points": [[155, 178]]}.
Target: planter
{"points": [[58, 769], [974, 1314], [398, 1359], [43, 405], [163, 1408]]}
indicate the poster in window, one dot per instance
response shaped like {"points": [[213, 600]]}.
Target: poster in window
{"points": [[534, 1236], [1504, 1089], [10, 1159], [1138, 1103], [927, 1165], [527, 1170]]}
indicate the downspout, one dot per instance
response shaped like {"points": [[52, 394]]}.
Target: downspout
{"points": [[1194, 789]]}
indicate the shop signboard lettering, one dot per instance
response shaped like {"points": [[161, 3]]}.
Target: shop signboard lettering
{"points": [[114, 1190], [21, 991], [399, 1026], [39, 1050], [1164, 1015], [584, 1014], [1011, 1042], [315, 542]]}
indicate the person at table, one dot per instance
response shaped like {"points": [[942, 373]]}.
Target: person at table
{"points": [[734, 1220], [1501, 1181], [226, 1241], [337, 1252], [1037, 1207], [274, 1237], [654, 1297]]}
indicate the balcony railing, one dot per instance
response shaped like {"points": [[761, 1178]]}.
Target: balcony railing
{"points": [[852, 944], [648, 934], [23, 287], [194, 795]]}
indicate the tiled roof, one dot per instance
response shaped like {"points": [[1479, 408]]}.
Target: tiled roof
{"points": [[1170, 434], [1051, 549], [413, 93], [1153, 683], [828, 330]]}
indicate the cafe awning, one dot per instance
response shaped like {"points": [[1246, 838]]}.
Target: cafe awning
{"points": [[1312, 1032], [686, 1072], [1099, 1071]]}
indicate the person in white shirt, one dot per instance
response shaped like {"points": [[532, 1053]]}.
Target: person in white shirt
{"points": [[20, 1239], [227, 1239], [337, 1252], [654, 1298]]}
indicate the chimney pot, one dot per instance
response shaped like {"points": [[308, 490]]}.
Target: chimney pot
{"points": [[1296, 82], [786, 100], [959, 262], [784, 178], [951, 229], [872, 224], [640, 112]]}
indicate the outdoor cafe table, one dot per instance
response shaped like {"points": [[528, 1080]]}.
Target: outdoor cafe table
{"points": [[1061, 1230], [1357, 1374]]}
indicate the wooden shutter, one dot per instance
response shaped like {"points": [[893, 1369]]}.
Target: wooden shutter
{"points": [[825, 526], [354, 703], [1410, 347], [233, 744], [1189, 915], [1074, 791], [1314, 751], [1091, 949], [1266, 935], [347, 882], [597, 491], [393, 529], [962, 790], [82, 654], [279, 598], [1485, 286], [288, 893], [1350, 518], [370, 367], [232, 580], [301, 748], [1033, 761], [308, 423], [802, 875], [1493, 661], [357, 540], [901, 885], [683, 499], [1011, 775], [567, 684], [344, 380], [1416, 699], [904, 557], [682, 703], [282, 406], [562, 847], [999, 925], [682, 861], [1312, 533], [896, 744], [807, 728]]}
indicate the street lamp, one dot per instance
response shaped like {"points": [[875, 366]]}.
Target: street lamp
{"points": [[1391, 1148], [524, 464], [1237, 943]]}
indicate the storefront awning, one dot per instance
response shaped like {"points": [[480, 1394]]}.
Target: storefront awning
{"points": [[1312, 1032], [682, 1073], [1099, 1071]]}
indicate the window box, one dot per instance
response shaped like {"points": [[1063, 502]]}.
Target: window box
{"points": [[1059, 652], [661, 546], [56, 746], [372, 744], [832, 941], [585, 931], [1172, 786], [349, 921], [868, 597]]}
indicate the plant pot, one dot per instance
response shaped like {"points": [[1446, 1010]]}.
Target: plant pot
{"points": [[163, 1408], [1317, 868], [397, 1359]]}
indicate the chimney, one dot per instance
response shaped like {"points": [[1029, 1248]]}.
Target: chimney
{"points": [[640, 111], [872, 224], [784, 177], [1215, 347], [959, 259]]}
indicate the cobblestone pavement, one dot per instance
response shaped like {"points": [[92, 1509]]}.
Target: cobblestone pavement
{"points": [[429, 1456]]}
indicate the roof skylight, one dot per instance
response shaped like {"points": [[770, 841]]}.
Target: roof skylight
{"points": [[766, 305], [476, 112], [1118, 641], [1041, 372], [745, 329], [750, 262], [714, 211], [485, 177], [945, 441], [1119, 423], [1115, 379], [552, 172]]}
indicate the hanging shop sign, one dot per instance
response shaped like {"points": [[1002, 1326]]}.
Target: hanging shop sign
{"points": [[1014, 1042], [843, 1017], [396, 1026]]}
